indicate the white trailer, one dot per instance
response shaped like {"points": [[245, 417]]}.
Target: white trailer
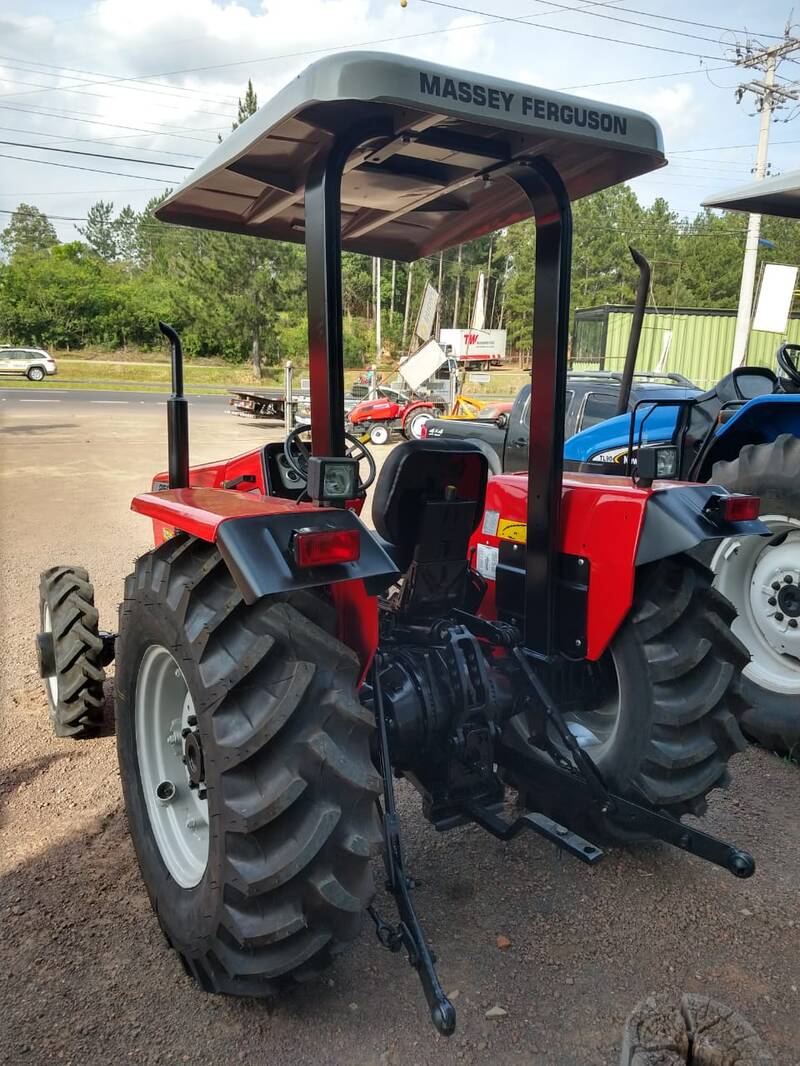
{"points": [[480, 348]]}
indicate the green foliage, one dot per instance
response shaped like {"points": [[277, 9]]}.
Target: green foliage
{"points": [[28, 231]]}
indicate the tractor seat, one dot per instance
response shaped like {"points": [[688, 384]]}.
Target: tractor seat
{"points": [[451, 476]]}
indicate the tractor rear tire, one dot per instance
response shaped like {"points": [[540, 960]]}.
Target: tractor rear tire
{"points": [[287, 777], [70, 620], [771, 681], [668, 739]]}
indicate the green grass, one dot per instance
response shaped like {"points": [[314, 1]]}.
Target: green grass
{"points": [[127, 370], [102, 386]]}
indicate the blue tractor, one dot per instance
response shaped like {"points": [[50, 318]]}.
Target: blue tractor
{"points": [[744, 434]]}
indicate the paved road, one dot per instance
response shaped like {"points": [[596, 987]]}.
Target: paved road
{"points": [[79, 398]]}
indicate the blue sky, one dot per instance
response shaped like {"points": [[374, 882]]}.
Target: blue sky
{"points": [[158, 79]]}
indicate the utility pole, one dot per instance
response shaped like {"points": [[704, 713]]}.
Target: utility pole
{"points": [[378, 308], [769, 97]]}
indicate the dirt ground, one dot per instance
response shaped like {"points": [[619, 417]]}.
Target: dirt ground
{"points": [[87, 977]]}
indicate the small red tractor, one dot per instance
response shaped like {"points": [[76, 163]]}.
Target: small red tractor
{"points": [[379, 418], [279, 664]]}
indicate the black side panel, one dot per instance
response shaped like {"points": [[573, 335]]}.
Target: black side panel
{"points": [[674, 522], [257, 552]]}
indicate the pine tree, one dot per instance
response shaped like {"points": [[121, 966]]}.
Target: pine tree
{"points": [[29, 230]]}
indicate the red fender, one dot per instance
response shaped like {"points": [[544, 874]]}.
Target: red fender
{"points": [[601, 520]]}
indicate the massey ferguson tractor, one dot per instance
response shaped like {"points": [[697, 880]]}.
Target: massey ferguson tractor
{"points": [[529, 651]]}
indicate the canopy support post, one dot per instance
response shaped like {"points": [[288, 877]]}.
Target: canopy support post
{"points": [[323, 233], [553, 217]]}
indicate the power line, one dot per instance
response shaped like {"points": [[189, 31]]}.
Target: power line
{"points": [[673, 18], [97, 155], [77, 90], [74, 116], [643, 77], [94, 140], [169, 89], [90, 170], [627, 22], [573, 33]]}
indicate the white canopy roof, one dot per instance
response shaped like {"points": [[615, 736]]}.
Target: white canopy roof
{"points": [[771, 196], [423, 186]]}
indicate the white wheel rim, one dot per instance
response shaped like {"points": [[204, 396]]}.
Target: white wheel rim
{"points": [[745, 572], [596, 729], [379, 435], [178, 818], [52, 682], [417, 422]]}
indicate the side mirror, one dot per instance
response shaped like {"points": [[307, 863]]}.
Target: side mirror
{"points": [[658, 461], [502, 420]]}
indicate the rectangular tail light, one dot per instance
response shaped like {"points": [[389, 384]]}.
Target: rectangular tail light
{"points": [[324, 547], [733, 508]]}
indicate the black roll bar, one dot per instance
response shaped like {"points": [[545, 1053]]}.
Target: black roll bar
{"points": [[177, 416], [642, 290], [548, 198], [323, 233]]}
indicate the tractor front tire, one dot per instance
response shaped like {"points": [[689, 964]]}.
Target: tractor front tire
{"points": [[255, 851], [71, 647], [667, 724], [761, 577]]}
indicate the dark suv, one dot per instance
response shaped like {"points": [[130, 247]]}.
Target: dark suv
{"points": [[591, 398]]}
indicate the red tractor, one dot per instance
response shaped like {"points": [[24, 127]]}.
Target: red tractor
{"points": [[379, 418], [279, 663]]}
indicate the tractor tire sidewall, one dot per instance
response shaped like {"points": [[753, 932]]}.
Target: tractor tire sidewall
{"points": [[771, 472], [678, 709], [67, 593], [275, 697], [188, 912], [621, 759]]}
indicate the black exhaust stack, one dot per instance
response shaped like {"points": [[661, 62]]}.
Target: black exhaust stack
{"points": [[642, 289], [177, 416]]}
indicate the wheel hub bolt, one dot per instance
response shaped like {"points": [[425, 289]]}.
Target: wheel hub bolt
{"points": [[776, 585], [793, 623], [778, 616], [788, 579], [165, 792], [192, 720], [185, 732], [772, 601]]}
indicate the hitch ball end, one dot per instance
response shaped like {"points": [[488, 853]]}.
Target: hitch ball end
{"points": [[444, 1017], [742, 864]]}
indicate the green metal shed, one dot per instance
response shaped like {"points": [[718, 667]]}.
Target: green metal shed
{"points": [[694, 342]]}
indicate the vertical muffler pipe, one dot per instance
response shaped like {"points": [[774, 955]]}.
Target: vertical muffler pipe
{"points": [[177, 416], [642, 289]]}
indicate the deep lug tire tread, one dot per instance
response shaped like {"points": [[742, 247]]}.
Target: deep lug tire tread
{"points": [[287, 744], [692, 662], [69, 594]]}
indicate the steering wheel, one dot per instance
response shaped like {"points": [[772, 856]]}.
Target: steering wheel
{"points": [[298, 452], [788, 362]]}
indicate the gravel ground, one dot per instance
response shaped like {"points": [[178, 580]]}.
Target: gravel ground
{"points": [[89, 979]]}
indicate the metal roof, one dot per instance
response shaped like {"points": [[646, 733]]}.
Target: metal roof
{"points": [[771, 196], [425, 185]]}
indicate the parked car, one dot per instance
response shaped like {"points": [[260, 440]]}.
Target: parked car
{"points": [[34, 363], [591, 398]]}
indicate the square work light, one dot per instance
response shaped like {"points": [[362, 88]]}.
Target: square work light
{"points": [[332, 480]]}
